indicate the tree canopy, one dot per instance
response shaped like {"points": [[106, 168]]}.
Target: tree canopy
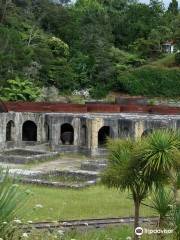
{"points": [[82, 44]]}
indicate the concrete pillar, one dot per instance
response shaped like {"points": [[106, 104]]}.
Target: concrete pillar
{"points": [[89, 133], [139, 129], [2, 130], [96, 124], [76, 125]]}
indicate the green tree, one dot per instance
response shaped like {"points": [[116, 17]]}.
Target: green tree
{"points": [[173, 7], [120, 174], [137, 166], [14, 55], [95, 41]]}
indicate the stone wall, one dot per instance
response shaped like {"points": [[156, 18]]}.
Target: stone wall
{"points": [[85, 129], [120, 126], [18, 119]]}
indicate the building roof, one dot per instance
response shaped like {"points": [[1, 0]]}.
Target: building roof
{"points": [[168, 43]]}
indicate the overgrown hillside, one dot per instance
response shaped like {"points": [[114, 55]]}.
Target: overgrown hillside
{"points": [[160, 78], [97, 45]]}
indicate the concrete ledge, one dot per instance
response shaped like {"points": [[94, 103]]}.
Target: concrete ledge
{"points": [[12, 156], [88, 178], [58, 184]]}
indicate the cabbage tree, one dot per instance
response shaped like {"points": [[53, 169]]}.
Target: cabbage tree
{"points": [[138, 166]]}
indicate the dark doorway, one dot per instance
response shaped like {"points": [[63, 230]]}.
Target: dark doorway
{"points": [[67, 134], [10, 127], [83, 135], [103, 133], [29, 131], [147, 132]]}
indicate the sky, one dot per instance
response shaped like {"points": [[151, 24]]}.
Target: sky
{"points": [[166, 2]]}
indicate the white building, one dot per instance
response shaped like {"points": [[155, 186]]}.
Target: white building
{"points": [[168, 47]]}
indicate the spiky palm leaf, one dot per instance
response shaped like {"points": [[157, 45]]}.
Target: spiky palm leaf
{"points": [[12, 198], [162, 202], [160, 153]]}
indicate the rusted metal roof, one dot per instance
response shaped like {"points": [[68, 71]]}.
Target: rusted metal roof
{"points": [[84, 108], [3, 107]]}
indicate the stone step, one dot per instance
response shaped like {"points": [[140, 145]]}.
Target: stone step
{"points": [[42, 147], [76, 173], [93, 165]]}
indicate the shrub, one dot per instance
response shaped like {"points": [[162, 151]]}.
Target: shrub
{"points": [[99, 91], [151, 81], [177, 58], [20, 89]]}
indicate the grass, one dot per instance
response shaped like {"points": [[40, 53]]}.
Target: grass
{"points": [[73, 155], [167, 61], [109, 233], [65, 204], [116, 233]]}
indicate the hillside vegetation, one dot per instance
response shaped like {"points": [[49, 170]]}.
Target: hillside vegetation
{"points": [[99, 45]]}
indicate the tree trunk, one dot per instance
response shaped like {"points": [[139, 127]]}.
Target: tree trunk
{"points": [[161, 225], [136, 217]]}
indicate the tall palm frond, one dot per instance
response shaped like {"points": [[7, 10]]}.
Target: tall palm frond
{"points": [[162, 202], [12, 198], [160, 153]]}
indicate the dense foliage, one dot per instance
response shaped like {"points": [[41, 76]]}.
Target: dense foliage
{"points": [[151, 81], [84, 43]]}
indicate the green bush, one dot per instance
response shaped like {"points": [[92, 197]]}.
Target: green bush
{"points": [[20, 90], [99, 91], [151, 81], [177, 58]]}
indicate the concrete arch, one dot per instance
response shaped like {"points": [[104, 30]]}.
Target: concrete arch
{"points": [[67, 134], [10, 131], [103, 133], [29, 131]]}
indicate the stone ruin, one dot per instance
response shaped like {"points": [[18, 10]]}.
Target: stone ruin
{"points": [[79, 128]]}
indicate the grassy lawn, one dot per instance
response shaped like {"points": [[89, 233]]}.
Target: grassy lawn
{"points": [[112, 233], [116, 233], [64, 204], [167, 61], [109, 233]]}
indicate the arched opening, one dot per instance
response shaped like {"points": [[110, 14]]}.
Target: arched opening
{"points": [[47, 132], [147, 132], [10, 131], [83, 135], [29, 131], [103, 133], [67, 134]]}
